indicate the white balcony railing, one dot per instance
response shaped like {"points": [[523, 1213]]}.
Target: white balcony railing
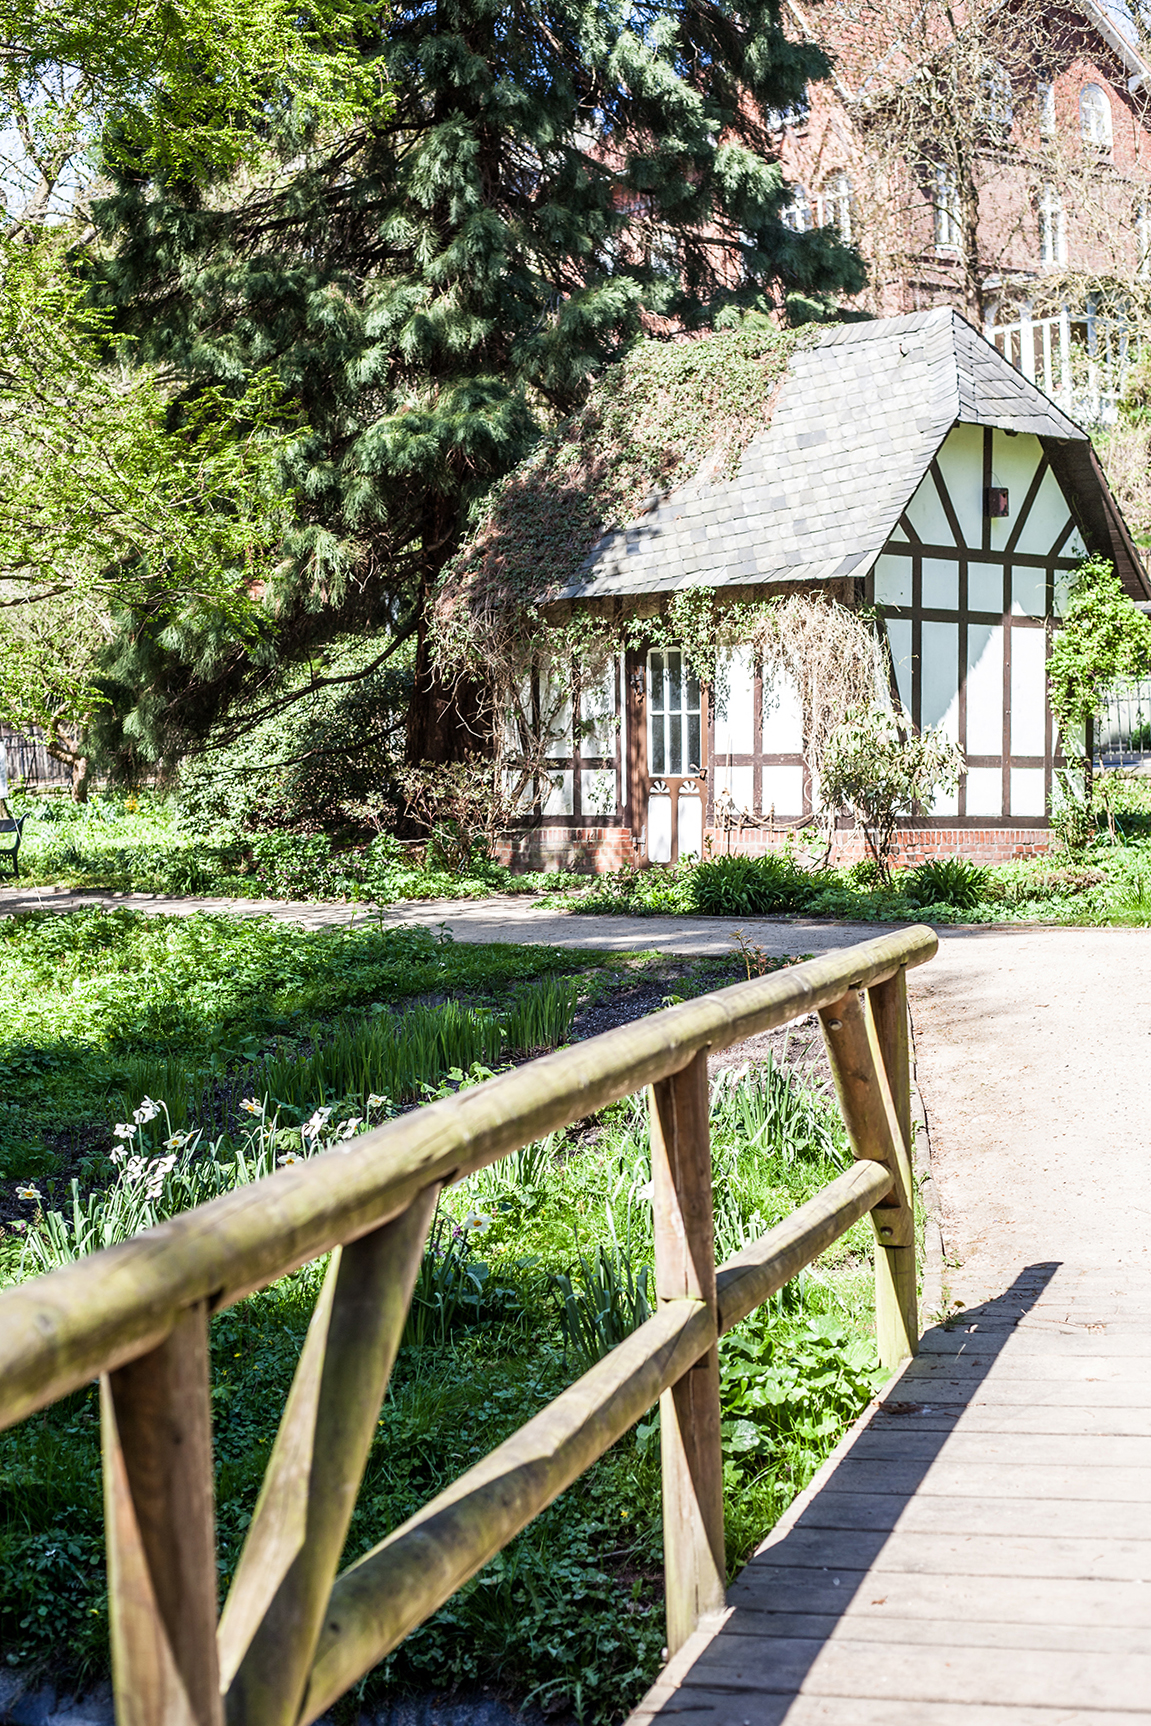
{"points": [[1080, 359]]}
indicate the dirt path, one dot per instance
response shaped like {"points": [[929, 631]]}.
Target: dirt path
{"points": [[1035, 1067]]}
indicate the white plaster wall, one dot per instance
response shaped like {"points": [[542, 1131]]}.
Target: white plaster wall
{"points": [[892, 580], [735, 707], [559, 800], [1028, 693], [961, 464], [985, 691], [782, 790], [782, 714], [939, 686], [739, 781], [985, 586], [899, 640]]}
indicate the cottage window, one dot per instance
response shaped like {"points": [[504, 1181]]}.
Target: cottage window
{"points": [[1095, 117], [673, 744], [835, 204], [1052, 229], [948, 227], [1045, 105], [796, 214]]}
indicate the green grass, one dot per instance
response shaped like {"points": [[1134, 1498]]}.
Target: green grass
{"points": [[533, 1269], [101, 1007], [142, 844], [1108, 883]]}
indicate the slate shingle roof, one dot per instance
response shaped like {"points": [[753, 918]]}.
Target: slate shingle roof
{"points": [[856, 423]]}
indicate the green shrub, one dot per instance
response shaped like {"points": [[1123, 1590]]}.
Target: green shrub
{"points": [[947, 881], [748, 886]]}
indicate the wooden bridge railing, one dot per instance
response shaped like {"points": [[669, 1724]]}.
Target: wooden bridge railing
{"points": [[294, 1635]]}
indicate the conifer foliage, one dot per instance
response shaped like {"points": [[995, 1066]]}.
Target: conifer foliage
{"points": [[433, 287]]}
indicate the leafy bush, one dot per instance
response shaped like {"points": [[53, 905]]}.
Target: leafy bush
{"points": [[881, 770], [748, 886], [947, 881]]}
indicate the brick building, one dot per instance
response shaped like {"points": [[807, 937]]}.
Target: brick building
{"points": [[996, 160]]}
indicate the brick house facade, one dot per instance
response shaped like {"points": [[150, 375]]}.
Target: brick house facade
{"points": [[1057, 154]]}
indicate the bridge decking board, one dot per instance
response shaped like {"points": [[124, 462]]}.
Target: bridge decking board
{"points": [[977, 1552]]}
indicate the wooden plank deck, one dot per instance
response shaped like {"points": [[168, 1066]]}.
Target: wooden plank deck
{"points": [[978, 1550]]}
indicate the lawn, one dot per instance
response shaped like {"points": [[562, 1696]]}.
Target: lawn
{"points": [[535, 1267]]}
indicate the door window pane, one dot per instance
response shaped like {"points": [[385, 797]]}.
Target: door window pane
{"points": [[674, 735]]}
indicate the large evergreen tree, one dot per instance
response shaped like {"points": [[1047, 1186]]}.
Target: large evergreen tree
{"points": [[552, 177]]}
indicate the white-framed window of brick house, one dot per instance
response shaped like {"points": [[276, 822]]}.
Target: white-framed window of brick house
{"points": [[1095, 117], [834, 204], [1052, 229], [1143, 239], [1045, 106], [998, 99], [948, 225], [796, 213]]}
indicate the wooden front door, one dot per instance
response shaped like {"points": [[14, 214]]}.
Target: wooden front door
{"points": [[672, 782]]}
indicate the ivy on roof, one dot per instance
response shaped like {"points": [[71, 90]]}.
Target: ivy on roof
{"points": [[650, 423]]}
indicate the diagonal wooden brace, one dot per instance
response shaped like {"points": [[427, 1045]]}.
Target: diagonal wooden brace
{"points": [[274, 1612], [863, 1069]]}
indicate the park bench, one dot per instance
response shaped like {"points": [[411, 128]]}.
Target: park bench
{"points": [[11, 827]]}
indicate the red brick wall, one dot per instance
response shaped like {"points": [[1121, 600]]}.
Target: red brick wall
{"points": [[599, 850]]}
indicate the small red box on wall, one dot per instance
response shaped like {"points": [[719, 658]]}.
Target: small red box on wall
{"points": [[997, 503]]}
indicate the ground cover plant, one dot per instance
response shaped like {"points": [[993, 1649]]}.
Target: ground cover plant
{"points": [[1097, 872], [535, 1267], [142, 843], [101, 1007]]}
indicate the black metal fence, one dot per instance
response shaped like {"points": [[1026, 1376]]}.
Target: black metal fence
{"points": [[29, 763]]}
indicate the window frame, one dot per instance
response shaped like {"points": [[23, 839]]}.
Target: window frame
{"points": [[1096, 120]]}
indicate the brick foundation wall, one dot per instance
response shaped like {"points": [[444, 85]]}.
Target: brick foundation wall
{"points": [[596, 850], [599, 850]]}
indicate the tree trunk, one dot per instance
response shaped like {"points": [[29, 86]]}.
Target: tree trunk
{"points": [[81, 777]]}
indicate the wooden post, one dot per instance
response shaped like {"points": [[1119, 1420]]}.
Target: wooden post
{"points": [[160, 1529], [273, 1616], [866, 1054], [694, 1563]]}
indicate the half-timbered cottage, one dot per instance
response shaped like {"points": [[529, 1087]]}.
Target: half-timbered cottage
{"points": [[907, 466]]}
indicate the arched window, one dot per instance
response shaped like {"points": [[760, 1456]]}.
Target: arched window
{"points": [[796, 214], [1095, 117], [1052, 229], [835, 204]]}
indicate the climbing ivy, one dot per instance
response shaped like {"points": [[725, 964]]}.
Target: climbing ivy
{"points": [[649, 423]]}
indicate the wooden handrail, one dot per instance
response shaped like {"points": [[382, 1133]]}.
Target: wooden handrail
{"points": [[293, 1636]]}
